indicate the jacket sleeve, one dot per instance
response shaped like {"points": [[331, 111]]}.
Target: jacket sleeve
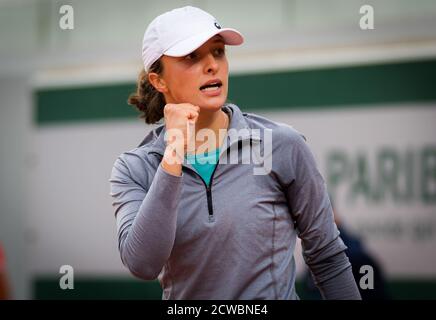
{"points": [[146, 219], [322, 247]]}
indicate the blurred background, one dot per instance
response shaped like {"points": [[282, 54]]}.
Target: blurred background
{"points": [[364, 98]]}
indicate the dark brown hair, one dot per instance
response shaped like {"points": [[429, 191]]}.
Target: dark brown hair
{"points": [[147, 99]]}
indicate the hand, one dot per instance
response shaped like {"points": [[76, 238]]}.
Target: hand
{"points": [[180, 122]]}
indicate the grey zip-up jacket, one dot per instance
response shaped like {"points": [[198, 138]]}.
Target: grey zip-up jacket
{"points": [[234, 239]]}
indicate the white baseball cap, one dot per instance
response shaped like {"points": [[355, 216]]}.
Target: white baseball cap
{"points": [[181, 31]]}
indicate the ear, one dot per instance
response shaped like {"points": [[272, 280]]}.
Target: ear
{"points": [[157, 82]]}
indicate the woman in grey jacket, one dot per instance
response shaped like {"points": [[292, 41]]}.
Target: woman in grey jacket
{"points": [[215, 225]]}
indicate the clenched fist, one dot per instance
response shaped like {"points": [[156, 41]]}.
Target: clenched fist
{"points": [[180, 120]]}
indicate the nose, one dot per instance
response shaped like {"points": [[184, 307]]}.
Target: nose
{"points": [[211, 64]]}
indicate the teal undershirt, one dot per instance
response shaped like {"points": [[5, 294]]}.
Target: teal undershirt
{"points": [[204, 163]]}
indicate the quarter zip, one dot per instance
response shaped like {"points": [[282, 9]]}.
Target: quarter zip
{"points": [[208, 191], [208, 187], [211, 216]]}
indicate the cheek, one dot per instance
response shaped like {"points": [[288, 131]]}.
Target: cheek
{"points": [[226, 66], [224, 70], [183, 86], [188, 85]]}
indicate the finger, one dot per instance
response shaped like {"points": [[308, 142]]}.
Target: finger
{"points": [[190, 136], [192, 115], [192, 107]]}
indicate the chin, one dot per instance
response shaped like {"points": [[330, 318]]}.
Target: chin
{"points": [[214, 103], [211, 106]]}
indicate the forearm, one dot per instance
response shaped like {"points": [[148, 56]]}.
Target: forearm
{"points": [[172, 160], [146, 239], [334, 278]]}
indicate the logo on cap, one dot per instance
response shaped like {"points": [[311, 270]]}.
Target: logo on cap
{"points": [[217, 25]]}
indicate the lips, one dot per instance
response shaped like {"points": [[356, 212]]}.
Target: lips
{"points": [[211, 85]]}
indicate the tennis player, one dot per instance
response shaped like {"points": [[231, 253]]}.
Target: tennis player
{"points": [[204, 226]]}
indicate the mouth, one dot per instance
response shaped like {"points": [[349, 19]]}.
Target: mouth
{"points": [[211, 86]]}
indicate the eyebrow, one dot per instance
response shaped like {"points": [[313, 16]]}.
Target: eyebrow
{"points": [[218, 40]]}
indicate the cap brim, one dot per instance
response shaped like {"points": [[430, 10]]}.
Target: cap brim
{"points": [[231, 37]]}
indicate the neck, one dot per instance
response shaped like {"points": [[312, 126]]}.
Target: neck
{"points": [[214, 120]]}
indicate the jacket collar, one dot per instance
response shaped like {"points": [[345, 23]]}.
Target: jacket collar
{"points": [[237, 122]]}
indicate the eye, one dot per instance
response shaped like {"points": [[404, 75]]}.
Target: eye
{"points": [[191, 56], [219, 51]]}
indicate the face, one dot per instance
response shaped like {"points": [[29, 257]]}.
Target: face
{"points": [[182, 77]]}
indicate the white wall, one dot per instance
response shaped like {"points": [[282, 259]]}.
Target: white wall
{"points": [[15, 159]]}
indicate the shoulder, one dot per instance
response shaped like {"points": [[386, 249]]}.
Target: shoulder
{"points": [[281, 131], [142, 152], [133, 158], [137, 164], [287, 145]]}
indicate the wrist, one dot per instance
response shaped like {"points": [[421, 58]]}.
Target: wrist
{"points": [[174, 153]]}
